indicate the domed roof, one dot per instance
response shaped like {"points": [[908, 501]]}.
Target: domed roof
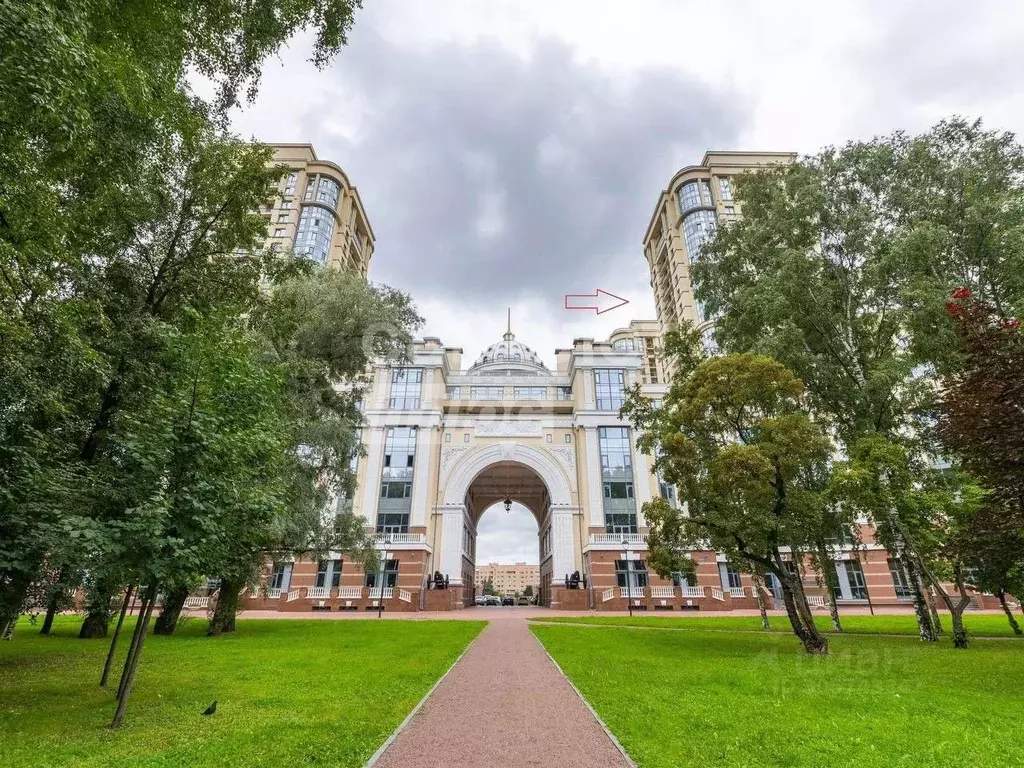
{"points": [[509, 352]]}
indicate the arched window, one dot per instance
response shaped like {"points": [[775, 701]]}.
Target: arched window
{"points": [[517, 357], [501, 356]]}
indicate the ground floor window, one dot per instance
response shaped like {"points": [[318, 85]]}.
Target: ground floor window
{"points": [[328, 573], [852, 585], [730, 576], [900, 579], [280, 576], [680, 579], [632, 573], [771, 581], [390, 575]]}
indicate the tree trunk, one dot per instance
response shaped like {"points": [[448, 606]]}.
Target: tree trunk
{"points": [[1009, 614], [98, 596], [933, 610], [12, 599], [828, 571], [223, 619], [117, 633], [800, 616], [126, 689], [959, 633], [147, 600], [925, 628], [51, 611], [167, 621], [760, 603]]}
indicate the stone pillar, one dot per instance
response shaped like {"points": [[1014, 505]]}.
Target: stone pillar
{"points": [[421, 476], [592, 471], [371, 483], [449, 560], [563, 560]]}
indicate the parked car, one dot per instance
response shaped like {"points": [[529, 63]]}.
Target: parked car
{"points": [[523, 600], [481, 600], [508, 600], [493, 600]]}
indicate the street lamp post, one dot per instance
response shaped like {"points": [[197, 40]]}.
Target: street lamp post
{"points": [[629, 586], [380, 584]]}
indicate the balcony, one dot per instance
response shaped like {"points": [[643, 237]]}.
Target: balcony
{"points": [[375, 593], [397, 539], [631, 592], [692, 591], [318, 593], [636, 539]]}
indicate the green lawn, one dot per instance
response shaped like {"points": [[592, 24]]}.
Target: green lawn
{"points": [[294, 692], [978, 624], [736, 699]]}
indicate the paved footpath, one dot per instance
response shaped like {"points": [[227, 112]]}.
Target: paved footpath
{"points": [[504, 704]]}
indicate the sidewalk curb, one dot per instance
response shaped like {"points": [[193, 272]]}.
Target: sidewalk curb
{"points": [[408, 718], [593, 712]]}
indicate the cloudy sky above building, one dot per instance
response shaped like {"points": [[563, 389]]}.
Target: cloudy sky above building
{"points": [[511, 151]]}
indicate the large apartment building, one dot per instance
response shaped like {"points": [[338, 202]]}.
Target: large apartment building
{"points": [[317, 212], [685, 217], [508, 579]]}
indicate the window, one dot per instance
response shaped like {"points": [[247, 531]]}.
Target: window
{"points": [[698, 228], [531, 393], [279, 232], [405, 388], [563, 393], [454, 393], [680, 579], [390, 575], [286, 205], [725, 190], [852, 585], [313, 239], [694, 194], [631, 573], [625, 345], [282, 217], [611, 385], [707, 337], [310, 186], [771, 581], [327, 192], [328, 573], [667, 492], [395, 500], [486, 393], [289, 184], [730, 576], [280, 577], [617, 479], [900, 580], [568, 438]]}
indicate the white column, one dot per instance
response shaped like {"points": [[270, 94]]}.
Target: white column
{"points": [[641, 475], [450, 561], [382, 376], [562, 561], [592, 471], [371, 482], [421, 475], [589, 399]]}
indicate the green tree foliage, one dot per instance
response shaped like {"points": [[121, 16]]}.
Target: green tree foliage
{"points": [[735, 439]]}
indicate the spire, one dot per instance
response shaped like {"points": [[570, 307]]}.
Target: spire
{"points": [[508, 331]]}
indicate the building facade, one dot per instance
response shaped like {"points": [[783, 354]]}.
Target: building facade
{"points": [[696, 201], [508, 579], [317, 213]]}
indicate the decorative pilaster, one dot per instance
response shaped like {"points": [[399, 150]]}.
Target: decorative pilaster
{"points": [[595, 493], [450, 560], [371, 481], [421, 475], [562, 546]]}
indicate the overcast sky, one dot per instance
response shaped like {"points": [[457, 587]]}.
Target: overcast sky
{"points": [[511, 151]]}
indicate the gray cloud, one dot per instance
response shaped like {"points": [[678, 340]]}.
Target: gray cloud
{"points": [[491, 177], [507, 537]]}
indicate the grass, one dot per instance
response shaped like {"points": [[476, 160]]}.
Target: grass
{"points": [[736, 699], [977, 624], [295, 692]]}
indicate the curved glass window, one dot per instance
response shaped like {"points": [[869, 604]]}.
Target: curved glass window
{"points": [[313, 239], [694, 194], [328, 191], [698, 228]]}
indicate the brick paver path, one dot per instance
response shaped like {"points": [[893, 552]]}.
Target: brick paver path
{"points": [[503, 704]]}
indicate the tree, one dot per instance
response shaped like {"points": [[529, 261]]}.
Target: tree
{"points": [[980, 425], [842, 262], [734, 437], [488, 587], [528, 590]]}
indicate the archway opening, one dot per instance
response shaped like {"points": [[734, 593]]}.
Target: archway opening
{"points": [[508, 504]]}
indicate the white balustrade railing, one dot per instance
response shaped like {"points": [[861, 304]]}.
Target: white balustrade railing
{"points": [[254, 592], [663, 591], [816, 601], [293, 594], [393, 539], [405, 595], [608, 594], [197, 602], [273, 593], [693, 591], [631, 592], [318, 593], [617, 538], [717, 593], [350, 592], [375, 594], [737, 592]]}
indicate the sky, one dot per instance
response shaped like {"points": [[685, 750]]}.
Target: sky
{"points": [[509, 152]]}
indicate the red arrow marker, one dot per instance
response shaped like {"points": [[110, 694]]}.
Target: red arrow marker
{"points": [[602, 301]]}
